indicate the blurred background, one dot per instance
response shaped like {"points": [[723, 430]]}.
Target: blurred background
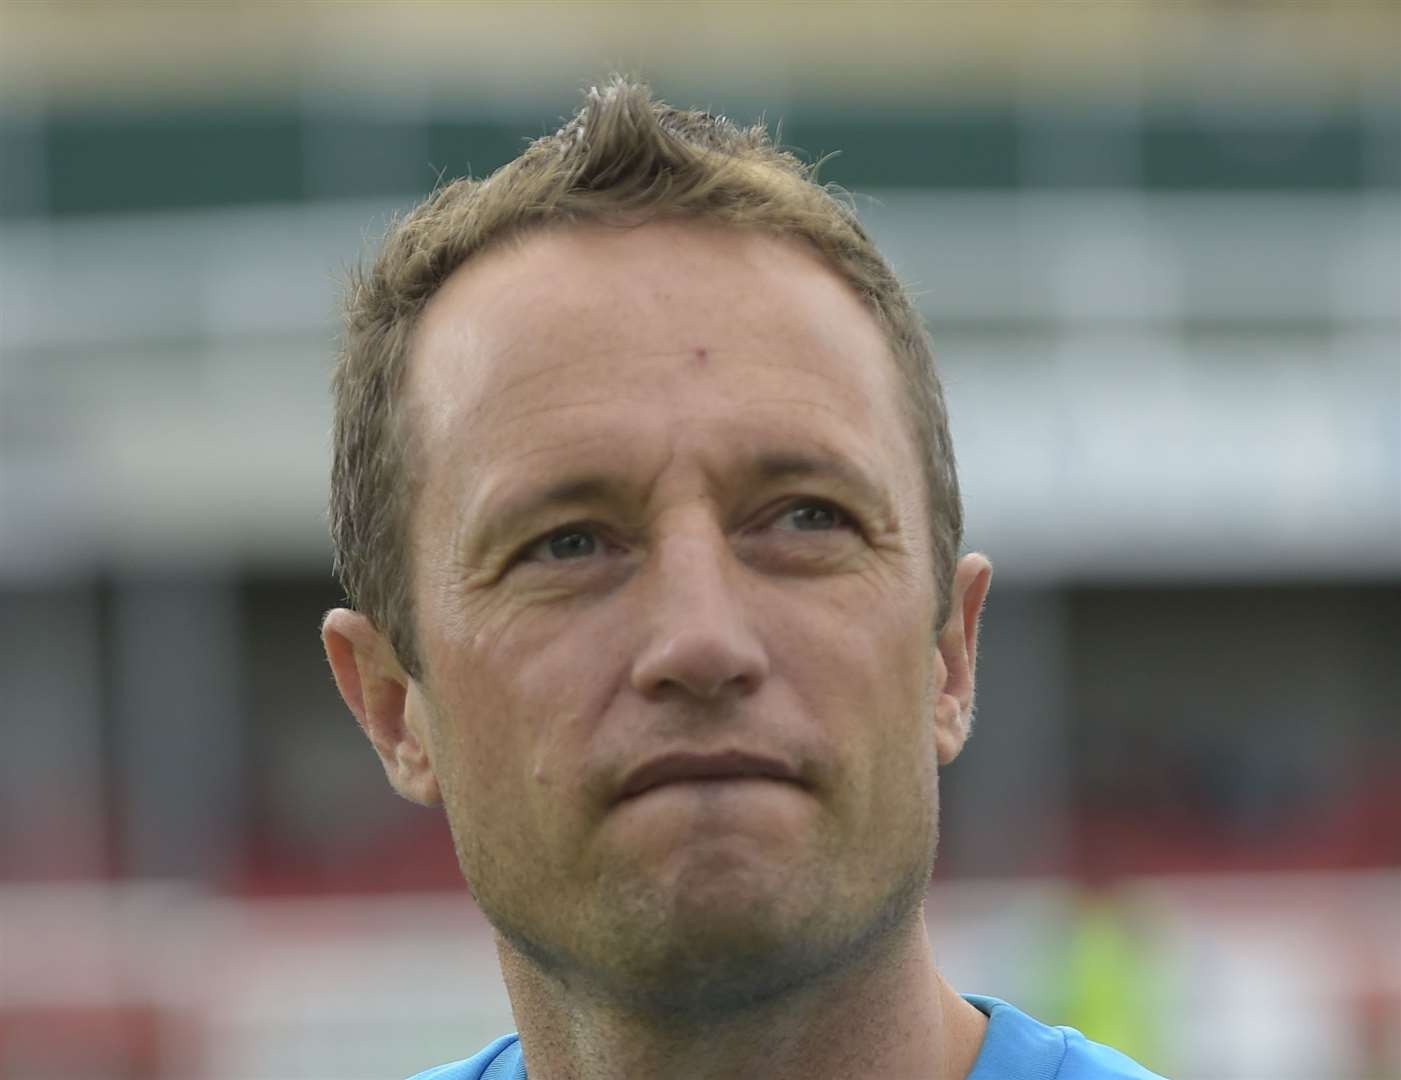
{"points": [[1159, 248]]}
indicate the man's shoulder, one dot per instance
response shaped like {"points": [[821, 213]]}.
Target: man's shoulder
{"points": [[502, 1060], [1086, 1060], [1017, 1045]]}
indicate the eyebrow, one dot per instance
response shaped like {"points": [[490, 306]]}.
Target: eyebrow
{"points": [[498, 520], [502, 519], [787, 465]]}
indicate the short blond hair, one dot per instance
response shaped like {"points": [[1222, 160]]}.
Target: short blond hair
{"points": [[623, 156]]}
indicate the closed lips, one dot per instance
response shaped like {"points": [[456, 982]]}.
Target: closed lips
{"points": [[683, 767]]}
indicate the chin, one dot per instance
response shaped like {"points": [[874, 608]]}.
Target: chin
{"points": [[717, 928], [731, 940]]}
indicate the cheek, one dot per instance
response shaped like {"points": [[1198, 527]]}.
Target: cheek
{"points": [[521, 694], [477, 711], [869, 643], [867, 673]]}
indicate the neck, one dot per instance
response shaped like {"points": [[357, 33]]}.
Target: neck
{"points": [[888, 1013]]}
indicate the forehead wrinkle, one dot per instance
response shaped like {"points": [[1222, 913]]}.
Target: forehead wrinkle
{"points": [[857, 395], [503, 473], [758, 450], [556, 449], [804, 403], [523, 415], [846, 440], [516, 385], [573, 488]]}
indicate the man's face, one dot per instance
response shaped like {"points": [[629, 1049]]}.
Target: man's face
{"points": [[675, 607]]}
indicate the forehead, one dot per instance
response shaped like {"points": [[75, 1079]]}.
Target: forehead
{"points": [[525, 346]]}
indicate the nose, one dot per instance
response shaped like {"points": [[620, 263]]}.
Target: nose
{"points": [[698, 640]]}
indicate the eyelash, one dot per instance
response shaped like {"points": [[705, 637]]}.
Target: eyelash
{"points": [[583, 528], [842, 520]]}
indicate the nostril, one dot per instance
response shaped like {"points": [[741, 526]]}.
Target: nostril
{"points": [[701, 665], [717, 687]]}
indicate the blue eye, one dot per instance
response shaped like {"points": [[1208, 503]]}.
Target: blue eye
{"points": [[816, 516], [567, 545]]}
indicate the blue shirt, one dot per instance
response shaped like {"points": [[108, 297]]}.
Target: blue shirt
{"points": [[1015, 1047]]}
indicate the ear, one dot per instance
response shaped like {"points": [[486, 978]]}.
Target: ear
{"points": [[384, 700], [957, 656]]}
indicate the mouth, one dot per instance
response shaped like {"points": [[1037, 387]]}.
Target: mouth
{"points": [[682, 768]]}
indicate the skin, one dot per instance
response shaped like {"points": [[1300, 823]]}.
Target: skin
{"points": [[669, 503]]}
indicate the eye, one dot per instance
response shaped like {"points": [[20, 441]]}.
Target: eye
{"points": [[565, 545], [814, 516]]}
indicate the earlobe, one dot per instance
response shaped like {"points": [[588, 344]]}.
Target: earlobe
{"points": [[957, 656], [379, 693]]}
